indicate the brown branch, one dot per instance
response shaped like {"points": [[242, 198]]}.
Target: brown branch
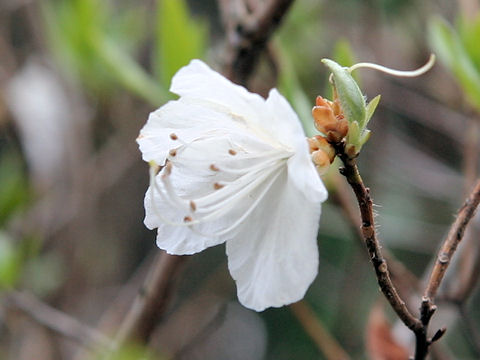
{"points": [[151, 301], [325, 343], [57, 320], [248, 34], [450, 244], [404, 278], [351, 173], [455, 235]]}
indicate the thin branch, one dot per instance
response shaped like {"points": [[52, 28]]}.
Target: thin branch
{"points": [[58, 321], [455, 235], [351, 173], [248, 35], [405, 279], [151, 301], [312, 325]]}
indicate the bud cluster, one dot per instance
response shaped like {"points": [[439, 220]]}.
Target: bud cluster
{"points": [[329, 119]]}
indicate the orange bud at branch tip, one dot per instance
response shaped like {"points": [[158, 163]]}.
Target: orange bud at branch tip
{"points": [[329, 119], [321, 160], [320, 143]]}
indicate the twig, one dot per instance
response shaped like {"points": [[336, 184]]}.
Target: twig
{"points": [[58, 321], [351, 173], [325, 343], [450, 244], [151, 300], [248, 35], [455, 235], [404, 278]]}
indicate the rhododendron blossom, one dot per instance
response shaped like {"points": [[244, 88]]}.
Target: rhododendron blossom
{"points": [[229, 166]]}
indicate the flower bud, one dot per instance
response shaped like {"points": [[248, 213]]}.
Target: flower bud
{"points": [[320, 143], [329, 119], [321, 161]]}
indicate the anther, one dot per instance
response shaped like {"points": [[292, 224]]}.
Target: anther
{"points": [[173, 152], [187, 219], [193, 206], [217, 186], [173, 136], [213, 167], [232, 152]]}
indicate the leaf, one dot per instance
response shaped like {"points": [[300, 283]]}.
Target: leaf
{"points": [[447, 45], [372, 105], [469, 33], [343, 55], [10, 262], [179, 39], [349, 94]]}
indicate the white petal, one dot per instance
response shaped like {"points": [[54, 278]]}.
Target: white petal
{"points": [[217, 213], [274, 258], [198, 81], [288, 130]]}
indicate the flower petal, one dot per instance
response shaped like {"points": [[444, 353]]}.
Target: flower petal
{"points": [[274, 258], [288, 130], [205, 194], [197, 81]]}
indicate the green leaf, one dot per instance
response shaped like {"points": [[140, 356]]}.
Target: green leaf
{"points": [[10, 262], [370, 109], [128, 72], [349, 94], [469, 32], [452, 53], [179, 39], [343, 55]]}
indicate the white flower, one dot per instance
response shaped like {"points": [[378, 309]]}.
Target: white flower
{"points": [[235, 168]]}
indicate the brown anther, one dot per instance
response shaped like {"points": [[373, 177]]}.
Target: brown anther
{"points": [[173, 136], [193, 206], [187, 219], [173, 152], [213, 167], [218, 186], [232, 152]]}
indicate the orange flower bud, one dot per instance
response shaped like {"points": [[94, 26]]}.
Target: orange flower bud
{"points": [[321, 161], [324, 119]]}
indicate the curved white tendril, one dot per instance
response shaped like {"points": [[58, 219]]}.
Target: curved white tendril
{"points": [[412, 73]]}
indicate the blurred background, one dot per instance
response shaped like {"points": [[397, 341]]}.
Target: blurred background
{"points": [[78, 79]]}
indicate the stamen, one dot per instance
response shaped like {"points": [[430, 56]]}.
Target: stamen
{"points": [[221, 207], [232, 152], [187, 219], [218, 186], [173, 152], [246, 213], [413, 73], [193, 206], [214, 168], [173, 136]]}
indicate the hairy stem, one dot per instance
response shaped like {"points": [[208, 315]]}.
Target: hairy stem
{"points": [[362, 193]]}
